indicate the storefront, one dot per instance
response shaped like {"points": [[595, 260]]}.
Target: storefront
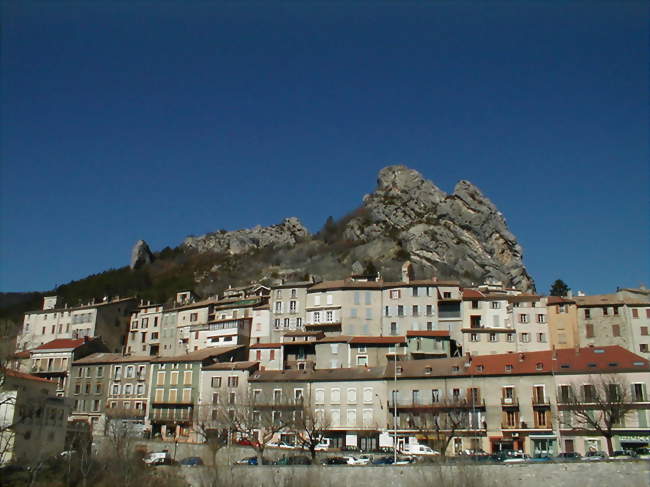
{"points": [[632, 442], [543, 445]]}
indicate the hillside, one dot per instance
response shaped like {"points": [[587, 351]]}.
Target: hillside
{"points": [[459, 236]]}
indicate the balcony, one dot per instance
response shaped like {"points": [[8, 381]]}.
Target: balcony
{"points": [[171, 414], [404, 404], [541, 401], [125, 413], [49, 370], [510, 402]]}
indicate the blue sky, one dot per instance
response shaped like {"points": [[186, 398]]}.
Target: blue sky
{"points": [[156, 120]]}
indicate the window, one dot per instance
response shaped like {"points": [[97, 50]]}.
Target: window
{"points": [[352, 396], [394, 294], [116, 390], [644, 331], [605, 311], [393, 328], [473, 337], [320, 396], [446, 295], [588, 392], [415, 396], [117, 372], [541, 338], [174, 378], [216, 382], [128, 389], [187, 377], [298, 322], [495, 305], [541, 318], [329, 299], [400, 310], [429, 310], [272, 355], [616, 330], [194, 317], [475, 304], [140, 389], [523, 318], [292, 306], [367, 395], [635, 313], [435, 395], [494, 337], [587, 314], [352, 417], [508, 368], [98, 388], [87, 388], [524, 337], [276, 323], [362, 360], [589, 330], [187, 395], [316, 316], [335, 396], [77, 388], [232, 398], [329, 316], [643, 347], [233, 381], [130, 372]]}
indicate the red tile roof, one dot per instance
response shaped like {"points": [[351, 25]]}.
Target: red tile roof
{"points": [[559, 300], [23, 375], [61, 343], [427, 333], [472, 294], [23, 354], [568, 361]]}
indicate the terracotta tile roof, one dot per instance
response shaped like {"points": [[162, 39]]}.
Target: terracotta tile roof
{"points": [[436, 367], [61, 343], [266, 345], [568, 361], [23, 354], [609, 299], [108, 358], [524, 298], [199, 355], [363, 340], [233, 366], [471, 294], [345, 284], [559, 300], [427, 333], [488, 330], [23, 375]]}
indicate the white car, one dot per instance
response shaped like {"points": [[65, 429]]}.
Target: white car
{"points": [[519, 458], [357, 460], [157, 458], [280, 444]]}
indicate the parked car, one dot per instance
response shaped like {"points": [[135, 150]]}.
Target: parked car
{"points": [[324, 444], [385, 460], [569, 456], [334, 461], [279, 444], [157, 458], [419, 450], [191, 462], [592, 456], [404, 460], [364, 460], [518, 458], [293, 460], [252, 461], [643, 453], [623, 455]]}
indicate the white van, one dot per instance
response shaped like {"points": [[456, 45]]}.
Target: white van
{"points": [[415, 449], [323, 444], [157, 458]]}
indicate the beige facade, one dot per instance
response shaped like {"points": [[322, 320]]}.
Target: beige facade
{"points": [[288, 305], [108, 318], [33, 421], [562, 316], [145, 330]]}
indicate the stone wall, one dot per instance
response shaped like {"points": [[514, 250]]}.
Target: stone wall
{"points": [[579, 474]]}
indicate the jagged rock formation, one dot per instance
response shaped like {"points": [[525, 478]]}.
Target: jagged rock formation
{"points": [[462, 233], [140, 255], [285, 234]]}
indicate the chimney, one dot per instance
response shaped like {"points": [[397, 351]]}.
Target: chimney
{"points": [[569, 294], [522, 356]]}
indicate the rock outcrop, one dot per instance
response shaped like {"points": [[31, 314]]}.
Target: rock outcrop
{"points": [[285, 234], [140, 254], [461, 233]]}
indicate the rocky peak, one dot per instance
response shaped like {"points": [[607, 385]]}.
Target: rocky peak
{"points": [[140, 254], [285, 234], [462, 234]]}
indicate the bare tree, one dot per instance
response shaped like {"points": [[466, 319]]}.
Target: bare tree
{"points": [[210, 427], [599, 406], [309, 425], [440, 422], [254, 420]]}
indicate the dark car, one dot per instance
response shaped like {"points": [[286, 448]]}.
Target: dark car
{"points": [[294, 460], [383, 460], [569, 456], [334, 461], [191, 462]]}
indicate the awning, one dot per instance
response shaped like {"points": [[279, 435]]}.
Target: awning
{"points": [[541, 437]]}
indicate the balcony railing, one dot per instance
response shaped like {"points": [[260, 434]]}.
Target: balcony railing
{"points": [[125, 413], [49, 370], [510, 401], [541, 401], [450, 404], [171, 414]]}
